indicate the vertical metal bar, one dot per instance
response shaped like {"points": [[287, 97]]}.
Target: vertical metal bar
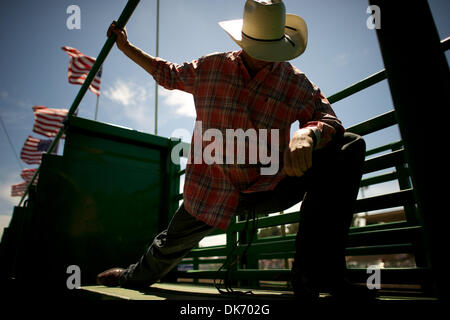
{"points": [[157, 55], [121, 22], [418, 77], [196, 264], [231, 240], [404, 183], [96, 107]]}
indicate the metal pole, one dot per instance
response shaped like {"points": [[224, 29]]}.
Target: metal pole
{"points": [[121, 22], [418, 77], [96, 107], [156, 54]]}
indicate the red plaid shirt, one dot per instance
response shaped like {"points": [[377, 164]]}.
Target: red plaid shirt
{"points": [[227, 97]]}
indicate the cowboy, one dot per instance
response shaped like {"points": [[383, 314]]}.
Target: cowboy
{"points": [[320, 164]]}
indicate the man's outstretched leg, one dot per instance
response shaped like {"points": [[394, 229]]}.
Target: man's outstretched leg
{"points": [[167, 250]]}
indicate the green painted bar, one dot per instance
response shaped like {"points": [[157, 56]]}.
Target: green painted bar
{"points": [[378, 179], [274, 246], [352, 251], [118, 132], [265, 222], [359, 86], [276, 238], [381, 249], [239, 274], [390, 146], [394, 275], [384, 161], [375, 124], [208, 252], [389, 200], [380, 226], [277, 255], [381, 237], [208, 261]]}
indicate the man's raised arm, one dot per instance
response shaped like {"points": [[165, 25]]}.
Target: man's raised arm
{"points": [[167, 74], [143, 59]]}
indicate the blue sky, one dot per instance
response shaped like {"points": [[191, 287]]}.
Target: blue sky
{"points": [[341, 51]]}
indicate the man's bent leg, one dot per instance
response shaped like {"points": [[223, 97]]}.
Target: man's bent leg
{"points": [[167, 250], [327, 212], [331, 187]]}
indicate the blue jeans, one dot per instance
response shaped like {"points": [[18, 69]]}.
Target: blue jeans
{"points": [[328, 191]]}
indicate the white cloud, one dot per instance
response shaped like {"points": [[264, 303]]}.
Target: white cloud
{"points": [[126, 93], [133, 111], [183, 102]]}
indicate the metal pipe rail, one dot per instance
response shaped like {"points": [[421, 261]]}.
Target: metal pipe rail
{"points": [[373, 79], [121, 22]]}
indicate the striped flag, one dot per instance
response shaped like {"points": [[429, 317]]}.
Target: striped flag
{"points": [[33, 148], [48, 121], [18, 190], [79, 67], [27, 174]]}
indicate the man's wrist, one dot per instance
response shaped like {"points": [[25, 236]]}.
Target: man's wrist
{"points": [[126, 47], [311, 133]]}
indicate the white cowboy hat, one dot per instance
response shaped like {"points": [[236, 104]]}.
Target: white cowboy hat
{"points": [[267, 33]]}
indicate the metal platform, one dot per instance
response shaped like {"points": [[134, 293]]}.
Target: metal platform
{"points": [[178, 291], [199, 292]]}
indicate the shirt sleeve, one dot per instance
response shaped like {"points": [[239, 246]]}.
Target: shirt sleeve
{"points": [[173, 76], [323, 121]]}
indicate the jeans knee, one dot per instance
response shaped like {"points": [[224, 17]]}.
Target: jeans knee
{"points": [[355, 143], [360, 145]]}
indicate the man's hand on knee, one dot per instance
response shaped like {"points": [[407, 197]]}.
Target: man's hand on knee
{"points": [[298, 155]]}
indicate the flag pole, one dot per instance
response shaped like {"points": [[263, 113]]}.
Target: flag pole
{"points": [[121, 22], [96, 108], [156, 54]]}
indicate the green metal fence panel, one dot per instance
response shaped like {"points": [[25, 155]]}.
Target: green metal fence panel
{"points": [[102, 202]]}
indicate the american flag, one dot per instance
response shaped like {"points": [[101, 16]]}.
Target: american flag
{"points": [[17, 190], [79, 67], [48, 121], [27, 174], [33, 148]]}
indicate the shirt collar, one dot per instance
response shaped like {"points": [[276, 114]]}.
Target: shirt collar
{"points": [[238, 55]]}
